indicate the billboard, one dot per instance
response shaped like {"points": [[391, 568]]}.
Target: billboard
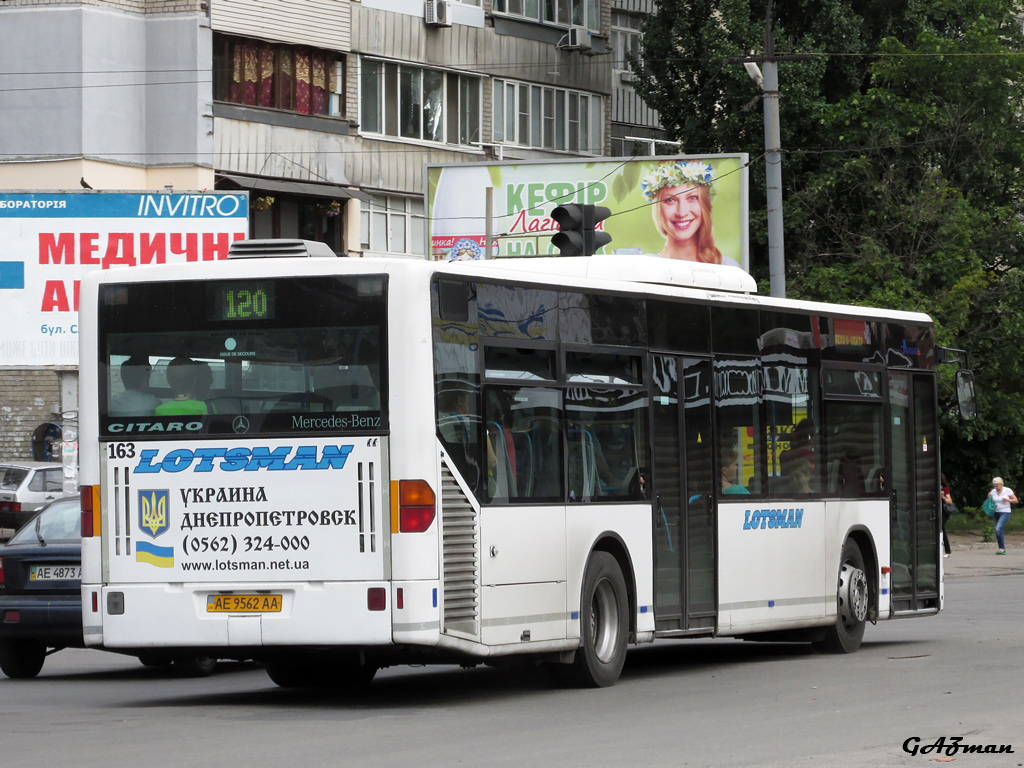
{"points": [[49, 240], [687, 206]]}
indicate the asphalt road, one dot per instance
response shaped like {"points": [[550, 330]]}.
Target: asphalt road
{"points": [[684, 703]]}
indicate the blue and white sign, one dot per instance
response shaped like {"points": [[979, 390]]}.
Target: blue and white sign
{"points": [[50, 240]]}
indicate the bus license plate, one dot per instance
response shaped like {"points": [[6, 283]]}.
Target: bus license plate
{"points": [[243, 604], [55, 573]]}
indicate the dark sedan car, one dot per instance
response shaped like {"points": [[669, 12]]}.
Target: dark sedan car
{"points": [[40, 597]]}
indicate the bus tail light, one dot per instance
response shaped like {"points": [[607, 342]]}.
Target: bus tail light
{"points": [[90, 511], [416, 509], [376, 599]]}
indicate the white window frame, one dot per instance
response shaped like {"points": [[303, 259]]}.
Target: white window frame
{"points": [[392, 217], [625, 36], [563, 128], [561, 13], [459, 129]]}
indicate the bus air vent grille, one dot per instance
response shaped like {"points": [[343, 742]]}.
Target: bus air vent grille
{"points": [[461, 555]]}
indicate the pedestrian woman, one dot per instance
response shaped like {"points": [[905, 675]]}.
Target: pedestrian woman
{"points": [[681, 194], [1003, 498], [947, 509]]}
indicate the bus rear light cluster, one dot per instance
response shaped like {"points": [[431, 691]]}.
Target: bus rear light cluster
{"points": [[416, 509], [90, 511]]}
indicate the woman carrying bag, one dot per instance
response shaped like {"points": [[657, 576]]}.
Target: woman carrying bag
{"points": [[1001, 498]]}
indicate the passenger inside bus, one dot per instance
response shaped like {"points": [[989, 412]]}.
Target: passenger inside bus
{"points": [[797, 462], [182, 375], [796, 476], [846, 462], [136, 399], [730, 472]]}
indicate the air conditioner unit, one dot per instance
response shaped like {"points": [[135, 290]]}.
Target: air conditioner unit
{"points": [[438, 13], [579, 39]]}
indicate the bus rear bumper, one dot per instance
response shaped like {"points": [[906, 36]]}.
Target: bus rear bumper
{"points": [[236, 615]]}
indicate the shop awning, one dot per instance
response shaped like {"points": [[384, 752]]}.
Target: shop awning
{"points": [[286, 186]]}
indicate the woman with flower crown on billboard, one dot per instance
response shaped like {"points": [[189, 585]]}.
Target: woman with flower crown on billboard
{"points": [[681, 193]]}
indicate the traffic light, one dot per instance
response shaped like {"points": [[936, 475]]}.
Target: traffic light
{"points": [[576, 235]]}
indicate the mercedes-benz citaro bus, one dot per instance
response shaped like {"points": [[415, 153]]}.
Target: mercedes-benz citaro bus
{"points": [[335, 465]]}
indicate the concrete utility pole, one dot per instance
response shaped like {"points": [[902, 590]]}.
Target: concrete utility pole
{"points": [[769, 83], [773, 164]]}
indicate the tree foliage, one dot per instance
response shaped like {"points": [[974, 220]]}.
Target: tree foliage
{"points": [[903, 145]]}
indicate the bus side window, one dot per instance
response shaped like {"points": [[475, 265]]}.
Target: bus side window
{"points": [[582, 464], [534, 422], [501, 450], [854, 450], [501, 462]]}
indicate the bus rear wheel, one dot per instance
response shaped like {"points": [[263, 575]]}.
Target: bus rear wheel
{"points": [[853, 600], [604, 624], [343, 672]]}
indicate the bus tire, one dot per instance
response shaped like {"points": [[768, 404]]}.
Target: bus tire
{"points": [[852, 603], [347, 673], [194, 666], [151, 659], [604, 624], [21, 659], [344, 673], [291, 673]]}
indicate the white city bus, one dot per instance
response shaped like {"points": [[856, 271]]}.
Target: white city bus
{"points": [[335, 465]]}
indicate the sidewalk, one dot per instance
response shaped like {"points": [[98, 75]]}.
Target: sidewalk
{"points": [[972, 556]]}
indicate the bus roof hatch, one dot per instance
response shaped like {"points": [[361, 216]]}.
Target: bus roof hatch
{"points": [[258, 249]]}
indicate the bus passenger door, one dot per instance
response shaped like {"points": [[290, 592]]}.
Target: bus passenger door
{"points": [[683, 474], [914, 502]]}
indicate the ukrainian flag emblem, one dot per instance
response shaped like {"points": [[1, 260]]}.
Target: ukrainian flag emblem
{"points": [[162, 557], [154, 511]]}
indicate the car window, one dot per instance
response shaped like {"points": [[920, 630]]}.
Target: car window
{"points": [[61, 521], [38, 482], [55, 480], [12, 477]]}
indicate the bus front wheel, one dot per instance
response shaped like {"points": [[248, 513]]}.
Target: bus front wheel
{"points": [[604, 624], [846, 634]]}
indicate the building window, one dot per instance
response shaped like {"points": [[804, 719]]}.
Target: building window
{"points": [[289, 77], [547, 118], [418, 103], [581, 13], [393, 224], [625, 40]]}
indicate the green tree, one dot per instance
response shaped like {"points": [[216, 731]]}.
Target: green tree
{"points": [[903, 142]]}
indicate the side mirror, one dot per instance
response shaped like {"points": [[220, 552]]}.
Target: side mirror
{"points": [[965, 395]]}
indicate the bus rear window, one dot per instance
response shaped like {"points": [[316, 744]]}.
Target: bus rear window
{"points": [[267, 356]]}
